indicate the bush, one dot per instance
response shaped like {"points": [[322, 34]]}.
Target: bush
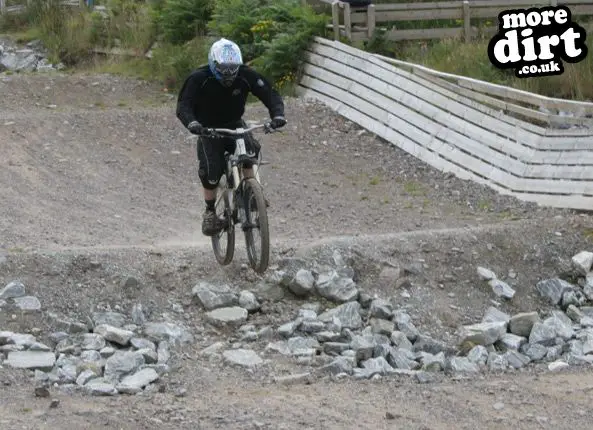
{"points": [[180, 21], [272, 34]]}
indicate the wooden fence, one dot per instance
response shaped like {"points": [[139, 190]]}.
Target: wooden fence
{"points": [[21, 5], [359, 23], [479, 131]]}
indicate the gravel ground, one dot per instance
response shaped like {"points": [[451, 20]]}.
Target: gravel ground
{"points": [[100, 186]]}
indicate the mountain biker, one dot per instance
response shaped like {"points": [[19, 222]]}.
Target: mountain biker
{"points": [[214, 96]]}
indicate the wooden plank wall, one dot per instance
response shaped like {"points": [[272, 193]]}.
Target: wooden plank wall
{"points": [[447, 122], [359, 23]]}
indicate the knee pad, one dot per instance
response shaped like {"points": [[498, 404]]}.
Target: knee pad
{"points": [[207, 183]]}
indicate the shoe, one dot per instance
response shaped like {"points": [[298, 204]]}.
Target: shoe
{"points": [[211, 225]]}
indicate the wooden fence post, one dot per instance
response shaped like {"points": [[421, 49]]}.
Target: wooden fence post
{"points": [[336, 19], [467, 28], [370, 20], [348, 21]]}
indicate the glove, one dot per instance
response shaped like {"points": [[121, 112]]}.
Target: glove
{"points": [[195, 127], [277, 122]]}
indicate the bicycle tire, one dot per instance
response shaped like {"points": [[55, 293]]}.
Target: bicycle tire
{"points": [[252, 187], [225, 258]]}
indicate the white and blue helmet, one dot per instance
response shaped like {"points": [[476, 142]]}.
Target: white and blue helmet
{"points": [[224, 60]]}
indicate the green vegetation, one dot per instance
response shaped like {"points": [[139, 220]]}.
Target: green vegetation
{"points": [[471, 60], [271, 33]]}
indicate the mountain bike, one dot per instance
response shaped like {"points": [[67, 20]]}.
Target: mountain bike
{"points": [[238, 197]]}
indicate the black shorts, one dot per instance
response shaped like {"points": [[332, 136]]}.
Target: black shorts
{"points": [[211, 153]]}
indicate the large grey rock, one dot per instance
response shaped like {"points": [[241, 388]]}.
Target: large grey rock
{"points": [[400, 340], [232, 316], [114, 319], [114, 334], [12, 290], [381, 309], [242, 357], [41, 360], [299, 345], [497, 362], [483, 333], [495, 315], [122, 363], [543, 334], [516, 360], [478, 355], [363, 346], [461, 365], [535, 351], [339, 365], [303, 283], [553, 289], [173, 333], [348, 315], [377, 366], [133, 384], [213, 296], [247, 300], [510, 341], [402, 359], [582, 262], [426, 343], [334, 287], [404, 324], [522, 323], [93, 341], [381, 326], [20, 60], [27, 303], [573, 298], [100, 387]]}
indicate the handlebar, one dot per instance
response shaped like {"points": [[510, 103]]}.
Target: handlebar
{"points": [[235, 131], [214, 132]]}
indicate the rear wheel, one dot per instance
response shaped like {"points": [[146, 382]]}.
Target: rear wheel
{"points": [[223, 243], [256, 221]]}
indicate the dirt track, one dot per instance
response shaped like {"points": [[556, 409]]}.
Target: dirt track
{"points": [[96, 162]]}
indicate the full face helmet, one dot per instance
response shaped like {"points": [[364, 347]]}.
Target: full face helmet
{"points": [[224, 60]]}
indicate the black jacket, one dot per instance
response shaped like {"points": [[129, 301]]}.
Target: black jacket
{"points": [[203, 99]]}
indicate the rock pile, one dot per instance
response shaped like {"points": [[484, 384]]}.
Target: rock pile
{"points": [[340, 331], [29, 59], [364, 337], [110, 354]]}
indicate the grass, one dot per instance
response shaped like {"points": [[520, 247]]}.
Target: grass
{"points": [[70, 34], [414, 188], [471, 59]]}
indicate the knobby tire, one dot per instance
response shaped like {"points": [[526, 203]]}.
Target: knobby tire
{"points": [[253, 188], [224, 258]]}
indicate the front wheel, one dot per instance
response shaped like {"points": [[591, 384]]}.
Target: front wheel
{"points": [[255, 204], [224, 254]]}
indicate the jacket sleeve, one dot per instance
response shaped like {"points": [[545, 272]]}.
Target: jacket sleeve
{"points": [[262, 89], [188, 97]]}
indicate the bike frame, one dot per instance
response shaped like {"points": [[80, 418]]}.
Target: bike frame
{"points": [[240, 153], [233, 196]]}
